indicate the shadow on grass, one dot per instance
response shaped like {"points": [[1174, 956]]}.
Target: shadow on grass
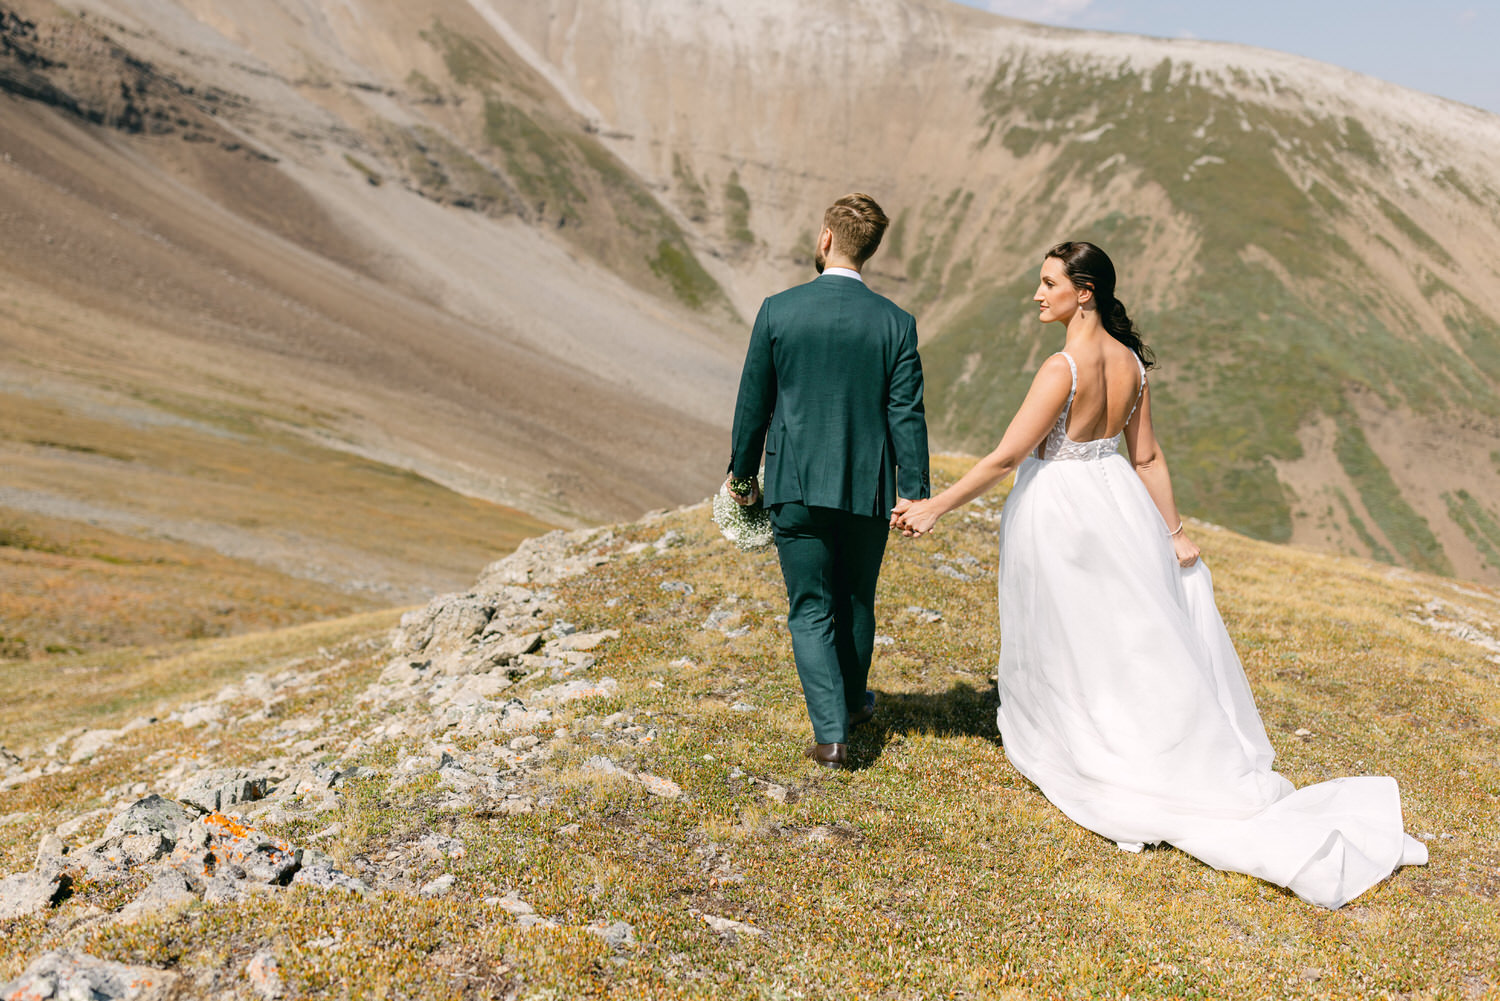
{"points": [[961, 711]]}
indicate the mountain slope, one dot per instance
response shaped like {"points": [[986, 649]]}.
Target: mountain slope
{"points": [[1315, 254], [287, 256], [510, 245]]}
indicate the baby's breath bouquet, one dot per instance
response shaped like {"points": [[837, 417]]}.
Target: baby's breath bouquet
{"points": [[747, 526]]}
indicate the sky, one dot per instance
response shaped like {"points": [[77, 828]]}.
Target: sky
{"points": [[1446, 47]]}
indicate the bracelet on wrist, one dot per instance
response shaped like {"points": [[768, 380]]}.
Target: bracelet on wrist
{"points": [[1176, 531]]}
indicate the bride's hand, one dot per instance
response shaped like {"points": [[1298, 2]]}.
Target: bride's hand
{"points": [[919, 518], [1186, 549]]}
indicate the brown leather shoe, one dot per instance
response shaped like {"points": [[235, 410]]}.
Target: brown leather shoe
{"points": [[862, 716], [827, 755]]}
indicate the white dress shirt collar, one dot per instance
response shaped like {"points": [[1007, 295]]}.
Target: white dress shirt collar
{"points": [[845, 272]]}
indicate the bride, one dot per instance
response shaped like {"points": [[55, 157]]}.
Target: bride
{"points": [[1121, 695]]}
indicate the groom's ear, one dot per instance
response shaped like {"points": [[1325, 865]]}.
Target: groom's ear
{"points": [[825, 241]]}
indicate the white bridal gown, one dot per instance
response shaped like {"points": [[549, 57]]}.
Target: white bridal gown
{"points": [[1122, 698]]}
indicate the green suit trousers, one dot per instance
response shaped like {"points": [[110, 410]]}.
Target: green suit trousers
{"points": [[830, 560]]}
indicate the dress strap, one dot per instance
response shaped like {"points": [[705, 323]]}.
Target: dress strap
{"points": [[1140, 390], [1072, 367]]}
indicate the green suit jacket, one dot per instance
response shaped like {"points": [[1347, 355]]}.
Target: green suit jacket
{"points": [[832, 391]]}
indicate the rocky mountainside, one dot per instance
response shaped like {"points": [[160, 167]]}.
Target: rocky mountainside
{"points": [[510, 245], [1314, 253]]}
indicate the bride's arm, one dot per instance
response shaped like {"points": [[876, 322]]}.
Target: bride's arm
{"points": [[1151, 466], [1044, 401]]}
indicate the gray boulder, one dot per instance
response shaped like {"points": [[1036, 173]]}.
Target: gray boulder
{"points": [[77, 976], [151, 815], [27, 893], [169, 891], [220, 788]]}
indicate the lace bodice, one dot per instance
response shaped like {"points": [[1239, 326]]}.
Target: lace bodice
{"points": [[1059, 446]]}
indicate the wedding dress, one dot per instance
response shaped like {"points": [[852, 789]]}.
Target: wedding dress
{"points": [[1122, 698]]}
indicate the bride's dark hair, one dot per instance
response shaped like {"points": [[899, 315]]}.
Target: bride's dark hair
{"points": [[1089, 267]]}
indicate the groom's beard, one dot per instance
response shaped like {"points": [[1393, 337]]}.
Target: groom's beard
{"points": [[819, 261]]}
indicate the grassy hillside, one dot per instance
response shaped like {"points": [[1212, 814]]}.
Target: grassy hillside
{"points": [[931, 869], [133, 522], [1274, 320]]}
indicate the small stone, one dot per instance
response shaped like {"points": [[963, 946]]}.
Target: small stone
{"points": [[51, 848], [169, 890], [512, 647], [439, 887], [28, 893], [570, 691], [1303, 732], [271, 864], [525, 743], [743, 707], [883, 640], [319, 873], [224, 886], [729, 928], [582, 641], [776, 793], [618, 935], [658, 786], [512, 904], [91, 742], [667, 541], [682, 587], [138, 849], [221, 788], [70, 828], [199, 715], [569, 830], [604, 766], [264, 975]]}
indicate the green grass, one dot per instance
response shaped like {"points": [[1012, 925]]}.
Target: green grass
{"points": [[677, 266], [1479, 524], [1407, 530], [695, 199], [930, 870], [1372, 545], [737, 211]]}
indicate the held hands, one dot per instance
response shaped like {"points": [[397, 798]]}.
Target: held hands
{"points": [[914, 517]]}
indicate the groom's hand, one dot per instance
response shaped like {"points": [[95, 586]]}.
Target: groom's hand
{"points": [[896, 512], [745, 499]]}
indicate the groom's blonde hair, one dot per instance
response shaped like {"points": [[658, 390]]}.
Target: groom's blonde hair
{"points": [[857, 224]]}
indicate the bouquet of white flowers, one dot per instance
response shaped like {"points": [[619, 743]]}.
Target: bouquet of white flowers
{"points": [[747, 526]]}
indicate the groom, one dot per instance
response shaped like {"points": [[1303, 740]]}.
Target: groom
{"points": [[832, 390]]}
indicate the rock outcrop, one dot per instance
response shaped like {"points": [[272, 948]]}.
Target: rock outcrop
{"points": [[492, 663]]}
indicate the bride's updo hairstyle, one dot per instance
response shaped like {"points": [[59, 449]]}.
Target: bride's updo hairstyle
{"points": [[1089, 267]]}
